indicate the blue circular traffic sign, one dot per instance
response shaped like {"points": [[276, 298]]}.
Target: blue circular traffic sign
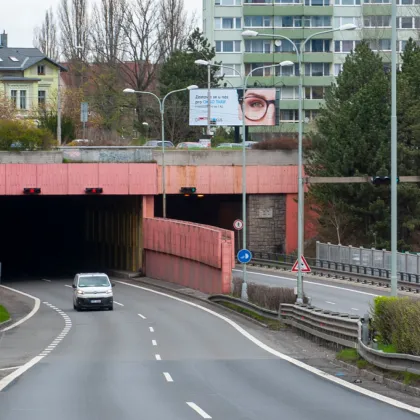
{"points": [[244, 256]]}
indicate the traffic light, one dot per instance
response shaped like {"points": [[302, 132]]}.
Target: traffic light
{"points": [[188, 190], [32, 191], [94, 190], [382, 180]]}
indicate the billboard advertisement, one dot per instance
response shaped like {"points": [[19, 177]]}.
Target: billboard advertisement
{"points": [[261, 107]]}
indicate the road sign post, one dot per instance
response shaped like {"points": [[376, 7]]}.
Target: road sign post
{"points": [[238, 225], [84, 111]]}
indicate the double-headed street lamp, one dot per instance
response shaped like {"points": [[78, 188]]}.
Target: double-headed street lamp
{"points": [[299, 55], [162, 115], [244, 87]]}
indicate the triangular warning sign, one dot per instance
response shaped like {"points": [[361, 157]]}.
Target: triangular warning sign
{"points": [[303, 264]]}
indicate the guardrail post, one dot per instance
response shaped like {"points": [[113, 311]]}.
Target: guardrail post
{"points": [[365, 329]]}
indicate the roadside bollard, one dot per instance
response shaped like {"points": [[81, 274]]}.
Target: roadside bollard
{"points": [[365, 329]]}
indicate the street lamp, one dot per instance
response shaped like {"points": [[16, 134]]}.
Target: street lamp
{"points": [[208, 64], [162, 114], [299, 55]]}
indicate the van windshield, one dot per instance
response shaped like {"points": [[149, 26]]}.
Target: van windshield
{"points": [[94, 281]]}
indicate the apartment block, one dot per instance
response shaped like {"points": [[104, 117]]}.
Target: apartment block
{"points": [[225, 20]]}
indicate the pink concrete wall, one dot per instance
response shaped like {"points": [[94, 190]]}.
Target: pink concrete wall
{"points": [[196, 256], [72, 179]]}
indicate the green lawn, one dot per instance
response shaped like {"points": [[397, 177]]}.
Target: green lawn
{"points": [[4, 315], [387, 348]]}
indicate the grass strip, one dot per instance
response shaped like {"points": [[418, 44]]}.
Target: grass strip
{"points": [[272, 324], [4, 315]]}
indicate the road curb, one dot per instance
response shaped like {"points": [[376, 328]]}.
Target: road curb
{"points": [[183, 294], [377, 377]]}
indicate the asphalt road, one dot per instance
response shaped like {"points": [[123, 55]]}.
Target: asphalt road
{"points": [[327, 295], [156, 358]]}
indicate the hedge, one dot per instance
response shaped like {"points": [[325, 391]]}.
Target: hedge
{"points": [[396, 321], [16, 135]]}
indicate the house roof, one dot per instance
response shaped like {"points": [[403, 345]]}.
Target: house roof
{"points": [[24, 58]]}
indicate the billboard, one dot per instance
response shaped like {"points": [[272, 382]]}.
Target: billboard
{"points": [[261, 107]]}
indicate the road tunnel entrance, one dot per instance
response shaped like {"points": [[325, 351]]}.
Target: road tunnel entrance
{"points": [[63, 235]]}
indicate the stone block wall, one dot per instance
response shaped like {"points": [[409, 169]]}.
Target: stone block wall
{"points": [[266, 222]]}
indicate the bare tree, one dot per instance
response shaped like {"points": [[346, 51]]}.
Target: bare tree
{"points": [[7, 108], [107, 32], [45, 37], [174, 25], [74, 24]]}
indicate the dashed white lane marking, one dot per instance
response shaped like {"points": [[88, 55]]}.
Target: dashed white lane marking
{"points": [[10, 368], [331, 303], [355, 309], [30, 315], [151, 329], [168, 377], [48, 281], [141, 316], [199, 410], [158, 357], [312, 282], [22, 369], [154, 342], [67, 285], [118, 303], [282, 356]]}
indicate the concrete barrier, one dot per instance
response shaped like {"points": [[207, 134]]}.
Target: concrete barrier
{"points": [[196, 256], [31, 157]]}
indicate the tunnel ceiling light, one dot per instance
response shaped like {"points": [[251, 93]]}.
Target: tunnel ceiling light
{"points": [[188, 190], [200, 195], [32, 191], [94, 190]]}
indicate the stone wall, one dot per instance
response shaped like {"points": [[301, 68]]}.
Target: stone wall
{"points": [[266, 222]]}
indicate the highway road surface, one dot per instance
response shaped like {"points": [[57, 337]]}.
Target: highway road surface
{"points": [[327, 295], [157, 357]]}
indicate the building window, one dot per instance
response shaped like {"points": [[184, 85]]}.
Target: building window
{"points": [[227, 70], [289, 115], [227, 23], [258, 46], [41, 70], [288, 21], [345, 46], [228, 46], [408, 22], [311, 115], [317, 21], [317, 69], [345, 20], [42, 95], [258, 21], [318, 45], [227, 2], [283, 45], [23, 99], [338, 68], [13, 97], [380, 45], [317, 2], [287, 70], [347, 2], [289, 92], [288, 1], [260, 72], [314, 92], [407, 2], [377, 21], [377, 1]]}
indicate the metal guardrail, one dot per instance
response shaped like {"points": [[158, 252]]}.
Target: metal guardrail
{"points": [[377, 276], [334, 327]]}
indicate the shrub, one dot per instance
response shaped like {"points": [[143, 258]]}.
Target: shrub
{"points": [[397, 320], [237, 287], [270, 297], [281, 143], [20, 135]]}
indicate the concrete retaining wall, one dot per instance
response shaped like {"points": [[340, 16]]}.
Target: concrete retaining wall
{"points": [[195, 256], [31, 157]]}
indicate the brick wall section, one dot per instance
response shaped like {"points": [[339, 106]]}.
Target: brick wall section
{"points": [[266, 222]]}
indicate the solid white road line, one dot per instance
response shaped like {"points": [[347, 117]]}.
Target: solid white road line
{"points": [[158, 357], [151, 329], [311, 282], [67, 285], [118, 303], [141, 316], [331, 303], [154, 342], [30, 315], [168, 377], [10, 368], [200, 411], [48, 281], [282, 356]]}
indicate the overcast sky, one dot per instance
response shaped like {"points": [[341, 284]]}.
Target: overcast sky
{"points": [[19, 18]]}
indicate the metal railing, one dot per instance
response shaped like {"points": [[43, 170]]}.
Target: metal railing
{"points": [[340, 270]]}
